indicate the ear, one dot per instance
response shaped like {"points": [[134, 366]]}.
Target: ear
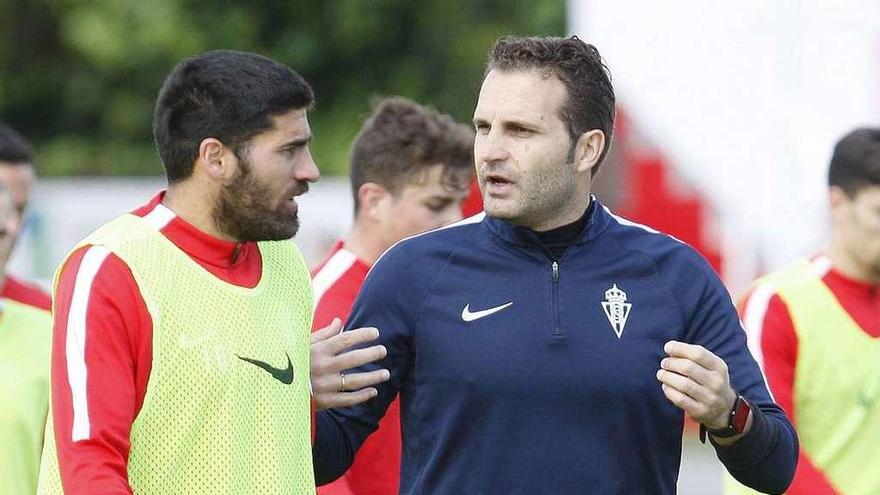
{"points": [[217, 160], [374, 200], [838, 201], [588, 149]]}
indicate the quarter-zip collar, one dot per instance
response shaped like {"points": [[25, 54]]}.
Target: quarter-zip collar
{"points": [[597, 221]]}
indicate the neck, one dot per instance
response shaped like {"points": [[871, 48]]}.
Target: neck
{"points": [[363, 242], [192, 205], [572, 213], [848, 265]]}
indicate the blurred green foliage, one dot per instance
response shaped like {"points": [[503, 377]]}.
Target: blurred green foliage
{"points": [[80, 77]]}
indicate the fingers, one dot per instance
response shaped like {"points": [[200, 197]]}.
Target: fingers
{"points": [[359, 357], [680, 399], [355, 381], [340, 342], [685, 386], [697, 381], [332, 384], [695, 353], [692, 370], [330, 356], [325, 333], [344, 399]]}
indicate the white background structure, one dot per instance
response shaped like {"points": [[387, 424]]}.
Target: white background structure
{"points": [[746, 99]]}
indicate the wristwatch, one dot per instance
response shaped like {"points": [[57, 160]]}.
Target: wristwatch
{"points": [[736, 422]]}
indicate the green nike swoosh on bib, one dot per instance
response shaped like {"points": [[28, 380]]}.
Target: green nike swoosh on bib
{"points": [[283, 375]]}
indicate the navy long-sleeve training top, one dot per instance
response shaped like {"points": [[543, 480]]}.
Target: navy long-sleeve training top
{"points": [[523, 374]]}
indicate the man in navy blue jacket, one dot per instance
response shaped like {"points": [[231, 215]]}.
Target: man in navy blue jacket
{"points": [[551, 346]]}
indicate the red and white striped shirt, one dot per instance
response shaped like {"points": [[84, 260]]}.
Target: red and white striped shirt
{"points": [[376, 468], [774, 343], [102, 348]]}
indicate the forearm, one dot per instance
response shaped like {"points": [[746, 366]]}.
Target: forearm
{"points": [[765, 458], [332, 452]]}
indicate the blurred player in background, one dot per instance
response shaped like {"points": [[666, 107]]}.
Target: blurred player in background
{"points": [[25, 335], [815, 328], [180, 354], [17, 174], [411, 169]]}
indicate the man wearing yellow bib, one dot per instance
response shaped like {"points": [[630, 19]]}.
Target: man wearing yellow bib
{"points": [[815, 329], [25, 332], [181, 341]]}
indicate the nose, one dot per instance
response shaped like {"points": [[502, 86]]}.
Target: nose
{"points": [[490, 147], [307, 170]]}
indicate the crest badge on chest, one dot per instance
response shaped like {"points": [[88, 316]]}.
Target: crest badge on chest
{"points": [[616, 308]]}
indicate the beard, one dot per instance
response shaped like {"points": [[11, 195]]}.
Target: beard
{"points": [[241, 212]]}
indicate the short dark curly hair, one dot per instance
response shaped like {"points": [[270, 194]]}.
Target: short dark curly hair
{"points": [[225, 94], [856, 161], [14, 148], [590, 102], [401, 139]]}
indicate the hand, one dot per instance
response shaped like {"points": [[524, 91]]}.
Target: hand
{"points": [[696, 380], [330, 357]]}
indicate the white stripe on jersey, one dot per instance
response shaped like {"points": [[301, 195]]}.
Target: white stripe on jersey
{"points": [[75, 345], [159, 216], [820, 266], [475, 218], [330, 273], [753, 319]]}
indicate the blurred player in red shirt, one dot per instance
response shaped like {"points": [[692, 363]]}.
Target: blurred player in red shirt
{"points": [[411, 170], [814, 327], [17, 174]]}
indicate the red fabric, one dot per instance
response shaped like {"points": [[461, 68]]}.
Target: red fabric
{"points": [[779, 345], [25, 293], [118, 353], [376, 468], [473, 203]]}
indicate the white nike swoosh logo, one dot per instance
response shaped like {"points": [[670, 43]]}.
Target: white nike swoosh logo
{"points": [[467, 315]]}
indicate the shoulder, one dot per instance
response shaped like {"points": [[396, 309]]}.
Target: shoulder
{"points": [[92, 268], [667, 253], [418, 259], [436, 244]]}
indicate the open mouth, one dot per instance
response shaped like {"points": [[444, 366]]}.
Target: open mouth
{"points": [[497, 180]]}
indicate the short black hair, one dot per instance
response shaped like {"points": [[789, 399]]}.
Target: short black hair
{"points": [[229, 95], [14, 148], [590, 102], [401, 139], [856, 161]]}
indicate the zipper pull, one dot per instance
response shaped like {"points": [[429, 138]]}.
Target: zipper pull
{"points": [[555, 271]]}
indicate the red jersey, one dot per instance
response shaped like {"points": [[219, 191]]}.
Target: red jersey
{"points": [[25, 293], [104, 379], [376, 468], [774, 343]]}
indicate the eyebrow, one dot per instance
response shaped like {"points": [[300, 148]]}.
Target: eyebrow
{"points": [[517, 121], [296, 142]]}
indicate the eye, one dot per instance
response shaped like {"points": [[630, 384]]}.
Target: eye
{"points": [[437, 206], [482, 127], [520, 130], [290, 150]]}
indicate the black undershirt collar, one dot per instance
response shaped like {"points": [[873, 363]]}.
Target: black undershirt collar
{"points": [[557, 240]]}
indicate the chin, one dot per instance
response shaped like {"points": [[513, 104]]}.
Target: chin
{"points": [[501, 213]]}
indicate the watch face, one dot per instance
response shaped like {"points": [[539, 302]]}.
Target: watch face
{"points": [[741, 412]]}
